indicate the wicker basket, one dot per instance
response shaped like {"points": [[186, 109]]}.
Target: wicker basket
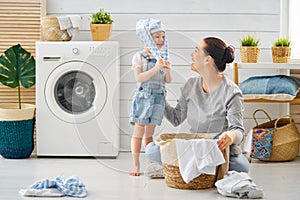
{"points": [[16, 130], [281, 54], [51, 30], [170, 163], [286, 139], [249, 54]]}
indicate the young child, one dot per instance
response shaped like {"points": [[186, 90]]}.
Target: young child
{"points": [[152, 70]]}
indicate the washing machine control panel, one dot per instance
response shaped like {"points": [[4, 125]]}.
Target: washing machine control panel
{"points": [[100, 51]]}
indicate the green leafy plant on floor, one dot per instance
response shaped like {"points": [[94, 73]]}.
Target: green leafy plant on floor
{"points": [[17, 68], [101, 17], [282, 42], [249, 41]]}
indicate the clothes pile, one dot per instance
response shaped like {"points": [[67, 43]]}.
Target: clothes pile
{"points": [[57, 187]]}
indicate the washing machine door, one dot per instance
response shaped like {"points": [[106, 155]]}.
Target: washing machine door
{"points": [[75, 92]]}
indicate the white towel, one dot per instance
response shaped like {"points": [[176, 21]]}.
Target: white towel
{"points": [[71, 23], [51, 192], [75, 20], [198, 156], [64, 22], [239, 185]]}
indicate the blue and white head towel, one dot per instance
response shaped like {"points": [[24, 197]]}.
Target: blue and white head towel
{"points": [[144, 29]]}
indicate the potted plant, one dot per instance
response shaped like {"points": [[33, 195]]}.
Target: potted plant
{"points": [[249, 49], [17, 68], [101, 25], [281, 50]]}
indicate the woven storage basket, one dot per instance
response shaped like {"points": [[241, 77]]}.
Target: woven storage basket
{"points": [[249, 54], [51, 30], [16, 130], [281, 54], [170, 163], [286, 139]]}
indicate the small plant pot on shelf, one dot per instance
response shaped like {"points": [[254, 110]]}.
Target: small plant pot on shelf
{"points": [[249, 54], [100, 32], [16, 130], [281, 54]]}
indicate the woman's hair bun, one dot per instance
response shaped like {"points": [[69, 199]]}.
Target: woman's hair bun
{"points": [[228, 55]]}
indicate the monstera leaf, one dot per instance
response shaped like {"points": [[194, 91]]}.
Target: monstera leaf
{"points": [[17, 67]]}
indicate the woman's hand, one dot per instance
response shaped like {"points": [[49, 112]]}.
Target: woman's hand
{"points": [[226, 139]]}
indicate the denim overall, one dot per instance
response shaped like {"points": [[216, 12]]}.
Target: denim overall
{"points": [[148, 103]]}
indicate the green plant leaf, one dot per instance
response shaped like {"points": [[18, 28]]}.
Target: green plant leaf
{"points": [[282, 42], [249, 41], [101, 17], [17, 66]]}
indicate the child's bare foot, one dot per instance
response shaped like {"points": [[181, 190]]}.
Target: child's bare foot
{"points": [[134, 173], [135, 170]]}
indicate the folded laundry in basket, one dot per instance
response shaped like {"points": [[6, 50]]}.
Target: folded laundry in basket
{"points": [[198, 156], [57, 187]]}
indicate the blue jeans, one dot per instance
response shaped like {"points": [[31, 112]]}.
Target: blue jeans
{"points": [[237, 163]]}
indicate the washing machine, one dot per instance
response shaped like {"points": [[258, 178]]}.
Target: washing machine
{"points": [[77, 98]]}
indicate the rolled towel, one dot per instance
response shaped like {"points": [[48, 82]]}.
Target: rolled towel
{"points": [[76, 21], [64, 22]]}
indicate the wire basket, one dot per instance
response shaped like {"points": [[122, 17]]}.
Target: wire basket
{"points": [[249, 54], [51, 30], [281, 54], [172, 174]]}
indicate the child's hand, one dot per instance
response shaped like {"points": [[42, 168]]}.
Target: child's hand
{"points": [[160, 63], [167, 65]]}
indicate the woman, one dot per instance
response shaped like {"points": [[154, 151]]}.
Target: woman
{"points": [[211, 103]]}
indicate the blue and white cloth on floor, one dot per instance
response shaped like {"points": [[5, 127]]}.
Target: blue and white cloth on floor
{"points": [[57, 187]]}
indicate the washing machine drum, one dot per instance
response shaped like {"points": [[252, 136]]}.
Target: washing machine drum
{"points": [[76, 92]]}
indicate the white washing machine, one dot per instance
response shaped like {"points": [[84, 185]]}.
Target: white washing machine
{"points": [[77, 98]]}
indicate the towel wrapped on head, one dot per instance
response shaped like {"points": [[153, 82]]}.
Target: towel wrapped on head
{"points": [[144, 29]]}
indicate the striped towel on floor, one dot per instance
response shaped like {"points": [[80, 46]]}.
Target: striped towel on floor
{"points": [[72, 186]]}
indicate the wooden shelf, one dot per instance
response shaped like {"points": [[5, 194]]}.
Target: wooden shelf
{"points": [[280, 66]]}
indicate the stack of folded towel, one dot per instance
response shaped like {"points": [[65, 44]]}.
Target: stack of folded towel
{"points": [[57, 187], [71, 23]]}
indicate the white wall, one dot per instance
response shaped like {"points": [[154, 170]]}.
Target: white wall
{"points": [[187, 22]]}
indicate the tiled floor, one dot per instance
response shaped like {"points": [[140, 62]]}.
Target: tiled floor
{"points": [[108, 179]]}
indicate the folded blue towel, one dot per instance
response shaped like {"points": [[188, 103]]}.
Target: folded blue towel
{"points": [[72, 186], [278, 84]]}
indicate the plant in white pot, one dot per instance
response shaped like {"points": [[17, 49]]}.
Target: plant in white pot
{"points": [[17, 68], [101, 25]]}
